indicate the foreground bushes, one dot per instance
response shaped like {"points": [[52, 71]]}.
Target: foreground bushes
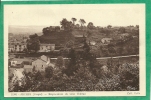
{"points": [[124, 78]]}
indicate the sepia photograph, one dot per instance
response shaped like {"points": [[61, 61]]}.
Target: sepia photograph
{"points": [[87, 49]]}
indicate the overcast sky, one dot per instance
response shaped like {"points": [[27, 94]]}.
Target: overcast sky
{"points": [[51, 15]]}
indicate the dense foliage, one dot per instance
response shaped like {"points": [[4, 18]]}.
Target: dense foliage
{"points": [[33, 44]]}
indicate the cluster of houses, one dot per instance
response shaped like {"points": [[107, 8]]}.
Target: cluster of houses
{"points": [[21, 47], [28, 64]]}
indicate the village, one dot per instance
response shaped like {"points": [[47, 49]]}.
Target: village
{"points": [[67, 50]]}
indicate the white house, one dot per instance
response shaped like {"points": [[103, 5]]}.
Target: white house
{"points": [[10, 48], [41, 63], [106, 40], [124, 35], [92, 43], [47, 47], [16, 63]]}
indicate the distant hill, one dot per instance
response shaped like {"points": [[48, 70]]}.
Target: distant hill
{"points": [[25, 29]]}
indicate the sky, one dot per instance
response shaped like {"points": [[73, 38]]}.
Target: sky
{"points": [[51, 15]]}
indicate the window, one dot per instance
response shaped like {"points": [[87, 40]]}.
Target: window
{"points": [[42, 67]]}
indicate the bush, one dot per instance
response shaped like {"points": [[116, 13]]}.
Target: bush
{"points": [[48, 72], [108, 84], [129, 76]]}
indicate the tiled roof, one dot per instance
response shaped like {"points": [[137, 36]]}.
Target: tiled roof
{"points": [[40, 59]]}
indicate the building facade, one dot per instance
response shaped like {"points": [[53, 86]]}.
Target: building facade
{"points": [[47, 47], [41, 63], [16, 47], [106, 40]]}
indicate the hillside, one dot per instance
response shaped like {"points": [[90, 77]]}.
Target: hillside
{"points": [[57, 38]]}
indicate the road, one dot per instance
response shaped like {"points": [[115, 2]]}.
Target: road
{"points": [[110, 57]]}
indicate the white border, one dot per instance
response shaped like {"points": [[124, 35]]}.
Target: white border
{"points": [[142, 63]]}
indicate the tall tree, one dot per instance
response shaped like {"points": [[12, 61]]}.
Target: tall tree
{"points": [[122, 30], [82, 21], [67, 25], [90, 25], [74, 19], [109, 26], [45, 30], [33, 44], [64, 23], [59, 62], [48, 72]]}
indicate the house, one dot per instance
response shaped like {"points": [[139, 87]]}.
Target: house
{"points": [[47, 47], [16, 63], [45, 58], [41, 63], [19, 62], [11, 56], [106, 40], [92, 42], [134, 36], [124, 35], [17, 46], [79, 38], [10, 48]]}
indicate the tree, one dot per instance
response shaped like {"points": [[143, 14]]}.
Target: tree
{"points": [[69, 44], [33, 44], [72, 55], [122, 30], [109, 26], [90, 25], [38, 76], [86, 47], [137, 26], [34, 69], [48, 72], [45, 30], [67, 25], [57, 28], [82, 21], [60, 62], [64, 23], [74, 19], [77, 26]]}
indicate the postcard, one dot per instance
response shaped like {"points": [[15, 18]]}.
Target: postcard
{"points": [[74, 50]]}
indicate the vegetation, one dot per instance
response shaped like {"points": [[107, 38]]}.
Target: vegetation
{"points": [[83, 72], [33, 43], [89, 76]]}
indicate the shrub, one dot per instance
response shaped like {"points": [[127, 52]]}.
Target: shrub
{"points": [[129, 76]]}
